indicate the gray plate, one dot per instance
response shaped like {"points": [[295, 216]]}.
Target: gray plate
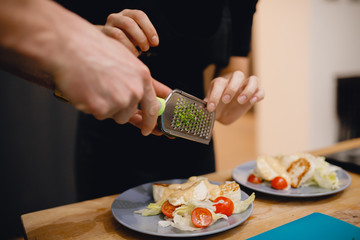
{"points": [[139, 197], [242, 172]]}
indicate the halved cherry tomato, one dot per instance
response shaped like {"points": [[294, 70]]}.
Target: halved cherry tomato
{"points": [[167, 209], [224, 205], [254, 179], [201, 217], [279, 183]]}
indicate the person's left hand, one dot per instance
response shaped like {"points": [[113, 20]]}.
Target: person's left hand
{"points": [[233, 95], [132, 28]]}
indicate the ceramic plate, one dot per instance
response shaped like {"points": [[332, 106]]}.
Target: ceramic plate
{"points": [[139, 197], [241, 173]]}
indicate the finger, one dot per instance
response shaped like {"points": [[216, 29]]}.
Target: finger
{"points": [[161, 90], [236, 81], [120, 36], [131, 28], [258, 96], [156, 131], [97, 106], [249, 90], [216, 91], [145, 24], [136, 120], [150, 108], [123, 116]]}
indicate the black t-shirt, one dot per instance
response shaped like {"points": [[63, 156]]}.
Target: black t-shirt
{"points": [[111, 158]]}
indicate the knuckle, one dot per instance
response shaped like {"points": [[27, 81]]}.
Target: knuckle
{"points": [[138, 95], [120, 119], [239, 74], [138, 14], [144, 73], [82, 107], [127, 23], [247, 92], [126, 11], [111, 17], [132, 97], [154, 109], [121, 103], [230, 91], [99, 109], [119, 35], [253, 79], [220, 81]]}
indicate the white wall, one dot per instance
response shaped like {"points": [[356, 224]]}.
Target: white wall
{"points": [[335, 52], [300, 48]]}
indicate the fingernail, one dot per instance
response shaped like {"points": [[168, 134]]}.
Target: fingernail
{"points": [[146, 48], [155, 40], [211, 107], [253, 100], [226, 98], [242, 99]]}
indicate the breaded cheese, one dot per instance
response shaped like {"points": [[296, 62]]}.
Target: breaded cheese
{"points": [[198, 188], [268, 168]]}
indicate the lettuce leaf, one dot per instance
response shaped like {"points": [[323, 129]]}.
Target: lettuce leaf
{"points": [[240, 206], [151, 209], [325, 175]]}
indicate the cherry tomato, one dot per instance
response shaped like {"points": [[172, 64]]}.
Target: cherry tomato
{"points": [[279, 183], [224, 205], [167, 209], [254, 179], [201, 217]]}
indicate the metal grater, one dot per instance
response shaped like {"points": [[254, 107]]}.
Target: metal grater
{"points": [[186, 116]]}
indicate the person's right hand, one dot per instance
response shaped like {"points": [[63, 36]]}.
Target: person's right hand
{"points": [[60, 50], [100, 76], [132, 28]]}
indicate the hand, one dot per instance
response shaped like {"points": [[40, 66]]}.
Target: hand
{"points": [[132, 28], [162, 91], [101, 77], [232, 96]]}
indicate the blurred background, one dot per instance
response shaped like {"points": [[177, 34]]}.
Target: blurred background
{"points": [[306, 54]]}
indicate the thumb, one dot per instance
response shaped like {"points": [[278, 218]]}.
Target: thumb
{"points": [[161, 90]]}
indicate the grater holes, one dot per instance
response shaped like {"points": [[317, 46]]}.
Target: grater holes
{"points": [[191, 118]]}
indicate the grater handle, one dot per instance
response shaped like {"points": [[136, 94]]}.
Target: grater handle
{"points": [[162, 103]]}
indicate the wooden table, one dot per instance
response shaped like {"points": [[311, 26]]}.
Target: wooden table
{"points": [[93, 219]]}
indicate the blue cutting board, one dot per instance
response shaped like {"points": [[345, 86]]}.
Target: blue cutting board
{"points": [[316, 226]]}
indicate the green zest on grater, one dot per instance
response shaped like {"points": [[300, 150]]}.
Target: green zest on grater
{"points": [[186, 116]]}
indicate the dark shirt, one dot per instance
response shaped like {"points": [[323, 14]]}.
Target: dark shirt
{"points": [[111, 158]]}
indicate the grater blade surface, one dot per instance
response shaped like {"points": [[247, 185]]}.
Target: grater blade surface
{"points": [[186, 116]]}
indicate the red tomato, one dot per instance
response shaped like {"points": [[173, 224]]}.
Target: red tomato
{"points": [[254, 179], [279, 183], [224, 205], [201, 217], [167, 209]]}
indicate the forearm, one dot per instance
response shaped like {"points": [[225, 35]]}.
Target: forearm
{"points": [[33, 38]]}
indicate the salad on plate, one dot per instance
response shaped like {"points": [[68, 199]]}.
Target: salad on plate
{"points": [[195, 204], [296, 170]]}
